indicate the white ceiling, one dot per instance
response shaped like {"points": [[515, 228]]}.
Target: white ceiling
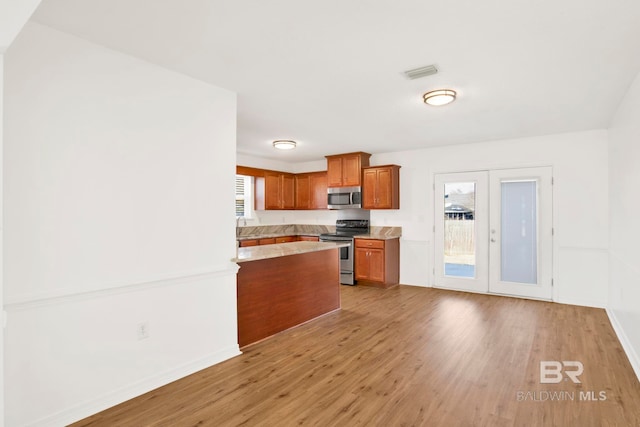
{"points": [[329, 73]]}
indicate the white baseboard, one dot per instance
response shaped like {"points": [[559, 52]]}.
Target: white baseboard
{"points": [[582, 303], [631, 353], [123, 394]]}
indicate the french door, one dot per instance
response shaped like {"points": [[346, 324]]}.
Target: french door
{"points": [[493, 232], [461, 232]]}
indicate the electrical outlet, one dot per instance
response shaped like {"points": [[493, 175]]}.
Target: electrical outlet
{"points": [[143, 330]]}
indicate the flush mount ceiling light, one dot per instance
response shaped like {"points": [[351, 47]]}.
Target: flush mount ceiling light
{"points": [[439, 97], [284, 144]]}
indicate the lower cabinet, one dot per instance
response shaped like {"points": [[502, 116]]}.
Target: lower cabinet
{"points": [[272, 240], [377, 262]]}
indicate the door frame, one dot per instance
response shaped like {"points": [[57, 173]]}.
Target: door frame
{"points": [[554, 217]]}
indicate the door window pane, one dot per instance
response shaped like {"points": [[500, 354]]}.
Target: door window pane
{"points": [[459, 229], [519, 231]]}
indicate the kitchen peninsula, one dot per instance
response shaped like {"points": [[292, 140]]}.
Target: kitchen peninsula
{"points": [[283, 285]]}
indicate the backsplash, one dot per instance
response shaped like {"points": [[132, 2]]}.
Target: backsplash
{"points": [[385, 232]]}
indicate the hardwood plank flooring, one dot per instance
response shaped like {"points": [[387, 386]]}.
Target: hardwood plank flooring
{"points": [[408, 356]]}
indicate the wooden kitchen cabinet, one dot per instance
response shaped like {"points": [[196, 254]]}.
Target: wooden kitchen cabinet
{"points": [[308, 239], [345, 170], [318, 190], [377, 262], [275, 191], [267, 241], [311, 190], [381, 187], [303, 191], [245, 243]]}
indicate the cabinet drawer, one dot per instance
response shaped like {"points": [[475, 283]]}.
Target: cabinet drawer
{"points": [[285, 239], [245, 243], [308, 239], [267, 241], [368, 243]]}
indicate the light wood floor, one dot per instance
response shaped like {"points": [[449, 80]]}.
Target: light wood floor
{"points": [[407, 356]]}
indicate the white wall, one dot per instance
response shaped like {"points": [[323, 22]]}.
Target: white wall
{"points": [[114, 174], [13, 15], [624, 200], [2, 316]]}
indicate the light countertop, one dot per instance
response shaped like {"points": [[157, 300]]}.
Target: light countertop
{"points": [[263, 232], [254, 253]]}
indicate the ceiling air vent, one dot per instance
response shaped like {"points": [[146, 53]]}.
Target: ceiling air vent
{"points": [[417, 73]]}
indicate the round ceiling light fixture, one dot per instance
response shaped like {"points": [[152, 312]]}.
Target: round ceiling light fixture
{"points": [[284, 144], [439, 97]]}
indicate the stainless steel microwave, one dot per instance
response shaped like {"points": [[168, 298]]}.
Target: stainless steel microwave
{"points": [[344, 197]]}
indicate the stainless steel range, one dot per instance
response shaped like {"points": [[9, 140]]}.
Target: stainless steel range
{"points": [[345, 230]]}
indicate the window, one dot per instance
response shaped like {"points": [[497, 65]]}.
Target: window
{"points": [[244, 205]]}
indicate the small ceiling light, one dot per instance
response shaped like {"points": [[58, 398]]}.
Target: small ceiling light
{"points": [[283, 144], [439, 97]]}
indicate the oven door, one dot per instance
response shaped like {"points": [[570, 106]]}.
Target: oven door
{"points": [[346, 259]]}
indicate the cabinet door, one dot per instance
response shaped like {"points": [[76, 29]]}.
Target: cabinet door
{"points": [[288, 191], [383, 189], [334, 171], [376, 265], [351, 170], [361, 264], [272, 191], [318, 191], [369, 189], [304, 192]]}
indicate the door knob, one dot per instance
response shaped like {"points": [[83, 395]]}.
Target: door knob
{"points": [[493, 240]]}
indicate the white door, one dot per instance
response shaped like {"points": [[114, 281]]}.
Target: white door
{"points": [[461, 231], [493, 232], [521, 232]]}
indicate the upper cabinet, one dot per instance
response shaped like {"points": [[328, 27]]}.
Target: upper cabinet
{"points": [[281, 190], [345, 170], [311, 190], [275, 191], [381, 187]]}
